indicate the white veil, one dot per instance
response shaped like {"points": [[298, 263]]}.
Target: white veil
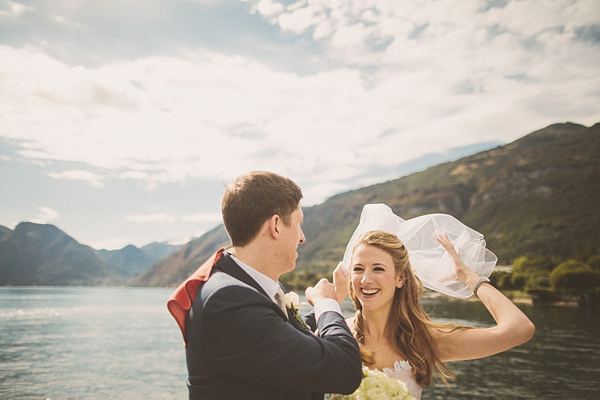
{"points": [[428, 259]]}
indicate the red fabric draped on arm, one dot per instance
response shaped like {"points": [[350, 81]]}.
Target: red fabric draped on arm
{"points": [[181, 300]]}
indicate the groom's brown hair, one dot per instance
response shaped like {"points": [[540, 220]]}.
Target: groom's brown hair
{"points": [[252, 199]]}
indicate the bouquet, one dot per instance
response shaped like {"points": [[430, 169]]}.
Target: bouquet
{"points": [[376, 385]]}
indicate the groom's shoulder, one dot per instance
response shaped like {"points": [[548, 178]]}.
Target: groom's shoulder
{"points": [[218, 281], [223, 284]]}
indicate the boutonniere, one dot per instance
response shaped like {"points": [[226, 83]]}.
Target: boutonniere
{"points": [[292, 303]]}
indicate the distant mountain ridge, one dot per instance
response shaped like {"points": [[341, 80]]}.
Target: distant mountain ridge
{"points": [[41, 254], [132, 261], [35, 254], [537, 195], [159, 251]]}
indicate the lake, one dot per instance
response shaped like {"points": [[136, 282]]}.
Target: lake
{"points": [[117, 343]]}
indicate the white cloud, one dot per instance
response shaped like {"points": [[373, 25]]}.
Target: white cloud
{"points": [[67, 22], [185, 240], [404, 79], [16, 9], [205, 2], [45, 215], [10, 224], [153, 217], [117, 243], [268, 8], [162, 217], [299, 19], [203, 217], [114, 243], [95, 180]]}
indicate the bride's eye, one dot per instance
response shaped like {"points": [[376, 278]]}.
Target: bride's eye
{"points": [[357, 269]]}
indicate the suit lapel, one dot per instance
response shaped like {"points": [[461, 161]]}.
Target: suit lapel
{"points": [[230, 267]]}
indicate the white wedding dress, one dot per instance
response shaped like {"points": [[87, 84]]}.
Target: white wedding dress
{"points": [[403, 372]]}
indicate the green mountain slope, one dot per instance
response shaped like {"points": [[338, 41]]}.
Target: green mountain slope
{"points": [[538, 195], [177, 267]]}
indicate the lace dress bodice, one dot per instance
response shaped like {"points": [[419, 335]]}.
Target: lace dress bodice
{"points": [[403, 372]]}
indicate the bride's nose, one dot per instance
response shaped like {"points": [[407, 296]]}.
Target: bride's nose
{"points": [[367, 277]]}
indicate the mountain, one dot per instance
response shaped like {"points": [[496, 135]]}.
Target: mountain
{"points": [[35, 254], [4, 230], [131, 261], [177, 267], [159, 251], [537, 195]]}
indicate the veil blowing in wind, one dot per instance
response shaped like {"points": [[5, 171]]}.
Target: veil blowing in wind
{"points": [[429, 260]]}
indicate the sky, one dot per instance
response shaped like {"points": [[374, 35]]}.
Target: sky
{"points": [[121, 122]]}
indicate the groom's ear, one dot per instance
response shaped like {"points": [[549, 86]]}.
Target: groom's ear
{"points": [[274, 225]]}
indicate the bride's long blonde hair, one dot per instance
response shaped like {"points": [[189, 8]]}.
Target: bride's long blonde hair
{"points": [[408, 324]]}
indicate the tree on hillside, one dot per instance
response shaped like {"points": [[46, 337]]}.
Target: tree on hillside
{"points": [[501, 279], [594, 262], [527, 264], [574, 277], [531, 272]]}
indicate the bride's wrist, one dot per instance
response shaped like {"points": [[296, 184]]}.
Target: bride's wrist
{"points": [[472, 279]]}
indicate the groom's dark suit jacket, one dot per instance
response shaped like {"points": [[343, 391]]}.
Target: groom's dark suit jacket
{"points": [[240, 345]]}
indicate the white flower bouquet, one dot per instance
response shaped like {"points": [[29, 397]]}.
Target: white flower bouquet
{"points": [[376, 385]]}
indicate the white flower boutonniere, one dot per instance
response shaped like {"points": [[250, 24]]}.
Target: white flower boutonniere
{"points": [[292, 303]]}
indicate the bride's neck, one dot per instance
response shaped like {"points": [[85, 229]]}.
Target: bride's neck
{"points": [[375, 323]]}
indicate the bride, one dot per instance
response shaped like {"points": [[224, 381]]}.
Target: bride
{"points": [[394, 333]]}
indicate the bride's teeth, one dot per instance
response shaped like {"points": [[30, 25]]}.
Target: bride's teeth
{"points": [[370, 291]]}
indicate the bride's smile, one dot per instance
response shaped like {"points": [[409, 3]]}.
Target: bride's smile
{"points": [[369, 292]]}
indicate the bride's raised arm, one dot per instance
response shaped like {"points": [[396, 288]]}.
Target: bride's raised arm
{"points": [[513, 327]]}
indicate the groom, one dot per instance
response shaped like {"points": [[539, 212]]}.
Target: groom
{"points": [[240, 344]]}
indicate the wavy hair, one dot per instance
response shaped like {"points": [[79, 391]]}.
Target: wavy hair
{"points": [[408, 323]]}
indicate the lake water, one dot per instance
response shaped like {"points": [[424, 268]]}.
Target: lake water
{"points": [[121, 343]]}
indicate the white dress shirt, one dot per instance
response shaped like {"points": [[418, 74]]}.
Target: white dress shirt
{"points": [[270, 287], [267, 284]]}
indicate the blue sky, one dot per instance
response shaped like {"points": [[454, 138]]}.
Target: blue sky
{"points": [[121, 121]]}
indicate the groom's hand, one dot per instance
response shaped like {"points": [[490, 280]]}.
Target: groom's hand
{"points": [[322, 290]]}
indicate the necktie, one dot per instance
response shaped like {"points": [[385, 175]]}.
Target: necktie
{"points": [[280, 300]]}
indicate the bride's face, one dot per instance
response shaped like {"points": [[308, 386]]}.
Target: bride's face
{"points": [[373, 277]]}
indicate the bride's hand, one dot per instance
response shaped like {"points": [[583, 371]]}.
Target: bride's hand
{"points": [[461, 270], [340, 281]]}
